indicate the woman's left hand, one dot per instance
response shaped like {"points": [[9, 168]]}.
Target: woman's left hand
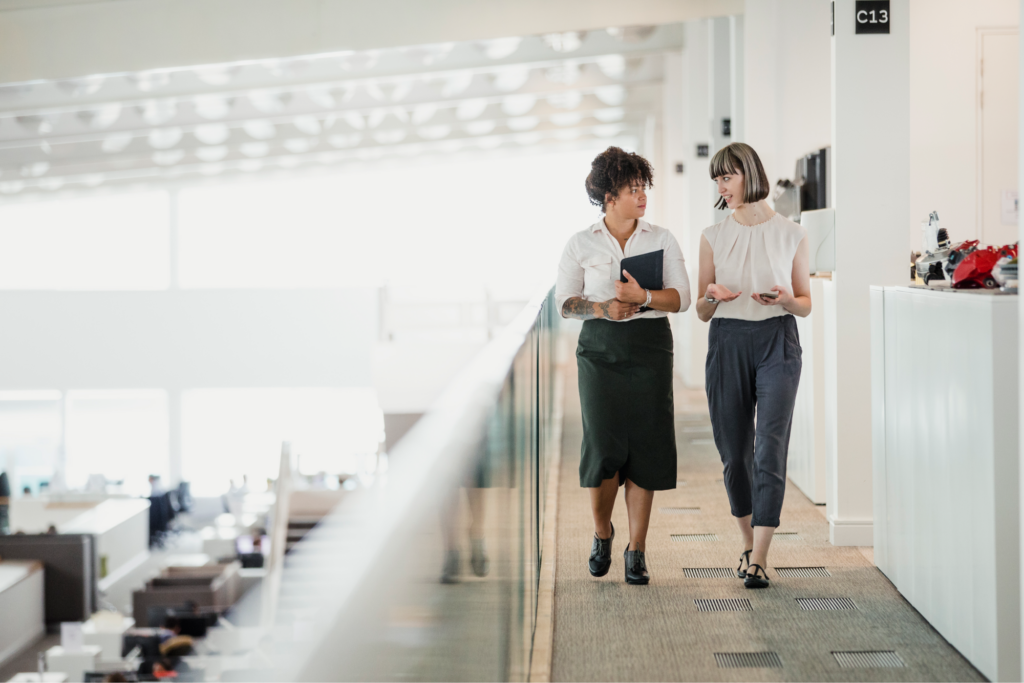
{"points": [[630, 291], [782, 299]]}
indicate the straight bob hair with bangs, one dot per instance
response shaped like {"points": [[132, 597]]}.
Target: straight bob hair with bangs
{"points": [[738, 157]]}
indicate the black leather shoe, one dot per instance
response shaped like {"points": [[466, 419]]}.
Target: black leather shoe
{"points": [[756, 577], [601, 554], [636, 567]]}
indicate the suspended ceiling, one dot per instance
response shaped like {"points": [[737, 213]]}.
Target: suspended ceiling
{"points": [[331, 109]]}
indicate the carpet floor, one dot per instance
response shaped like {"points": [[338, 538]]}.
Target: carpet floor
{"points": [[605, 630]]}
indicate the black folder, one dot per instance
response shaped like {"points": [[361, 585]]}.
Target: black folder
{"points": [[646, 269]]}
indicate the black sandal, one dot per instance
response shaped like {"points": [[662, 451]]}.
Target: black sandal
{"points": [[740, 573], [753, 580]]}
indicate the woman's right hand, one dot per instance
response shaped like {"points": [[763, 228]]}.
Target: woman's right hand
{"points": [[721, 292], [613, 309]]}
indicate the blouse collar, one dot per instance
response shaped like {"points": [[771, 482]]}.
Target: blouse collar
{"points": [[641, 226]]}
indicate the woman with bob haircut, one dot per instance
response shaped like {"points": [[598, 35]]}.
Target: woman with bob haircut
{"points": [[624, 355], [754, 355]]}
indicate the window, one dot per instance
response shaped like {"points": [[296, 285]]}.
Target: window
{"points": [[121, 434], [30, 437], [310, 232], [228, 433], [112, 242], [499, 223]]}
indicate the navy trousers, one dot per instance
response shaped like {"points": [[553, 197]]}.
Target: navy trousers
{"points": [[753, 368]]}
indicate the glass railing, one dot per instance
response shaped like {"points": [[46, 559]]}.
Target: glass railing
{"points": [[432, 573]]}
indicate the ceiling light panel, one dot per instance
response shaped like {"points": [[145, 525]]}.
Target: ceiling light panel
{"points": [[212, 153], [499, 48], [268, 102], [101, 117], [211, 133], [520, 123], [517, 105], [480, 127], [165, 138], [565, 42], [260, 129], [217, 74], [310, 125], [213, 107], [116, 142], [158, 112]]}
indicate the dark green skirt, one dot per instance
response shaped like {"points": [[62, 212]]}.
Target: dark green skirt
{"points": [[625, 375]]}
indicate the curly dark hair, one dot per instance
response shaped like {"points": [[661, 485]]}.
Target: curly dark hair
{"points": [[614, 169]]}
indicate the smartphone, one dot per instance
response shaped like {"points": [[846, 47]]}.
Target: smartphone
{"points": [[769, 295]]}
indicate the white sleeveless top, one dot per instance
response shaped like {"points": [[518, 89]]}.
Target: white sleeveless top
{"points": [[753, 259]]}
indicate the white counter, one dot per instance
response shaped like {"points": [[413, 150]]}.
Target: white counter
{"points": [[21, 594], [807, 442], [120, 524], [945, 460]]}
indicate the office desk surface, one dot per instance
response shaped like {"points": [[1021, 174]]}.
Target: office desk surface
{"points": [[13, 571], [33, 677]]}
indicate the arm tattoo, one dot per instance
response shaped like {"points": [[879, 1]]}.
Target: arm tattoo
{"points": [[581, 309]]}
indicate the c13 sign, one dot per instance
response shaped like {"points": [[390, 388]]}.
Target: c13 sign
{"points": [[872, 16]]}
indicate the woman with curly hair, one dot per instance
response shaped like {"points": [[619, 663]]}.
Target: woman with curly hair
{"points": [[624, 355]]}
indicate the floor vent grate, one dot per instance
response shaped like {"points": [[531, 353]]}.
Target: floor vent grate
{"points": [[685, 538], [787, 534], [679, 511], [680, 483], [709, 573], [802, 572], [702, 442], [873, 659], [723, 605], [748, 660], [833, 604]]}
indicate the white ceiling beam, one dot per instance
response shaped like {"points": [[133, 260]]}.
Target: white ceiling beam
{"points": [[56, 39]]}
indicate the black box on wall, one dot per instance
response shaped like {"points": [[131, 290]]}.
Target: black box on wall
{"points": [[872, 16]]}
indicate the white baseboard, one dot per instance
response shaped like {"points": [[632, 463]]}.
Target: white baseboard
{"points": [[857, 532]]}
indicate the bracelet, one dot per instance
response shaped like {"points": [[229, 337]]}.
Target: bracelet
{"points": [[648, 302], [710, 299]]}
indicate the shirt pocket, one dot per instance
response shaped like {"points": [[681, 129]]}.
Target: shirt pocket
{"points": [[597, 268]]}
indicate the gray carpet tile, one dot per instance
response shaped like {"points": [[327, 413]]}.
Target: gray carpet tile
{"points": [[605, 630]]}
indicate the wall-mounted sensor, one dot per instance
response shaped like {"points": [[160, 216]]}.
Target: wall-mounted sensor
{"points": [[727, 127]]}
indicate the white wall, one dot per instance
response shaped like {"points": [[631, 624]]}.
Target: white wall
{"points": [[123, 340], [943, 109], [787, 81], [60, 40]]}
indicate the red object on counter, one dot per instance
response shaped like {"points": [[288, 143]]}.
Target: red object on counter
{"points": [[975, 270]]}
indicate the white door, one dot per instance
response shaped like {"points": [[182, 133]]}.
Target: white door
{"points": [[998, 132]]}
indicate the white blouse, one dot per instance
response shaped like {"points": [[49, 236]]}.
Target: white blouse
{"points": [[590, 265], [753, 259]]}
